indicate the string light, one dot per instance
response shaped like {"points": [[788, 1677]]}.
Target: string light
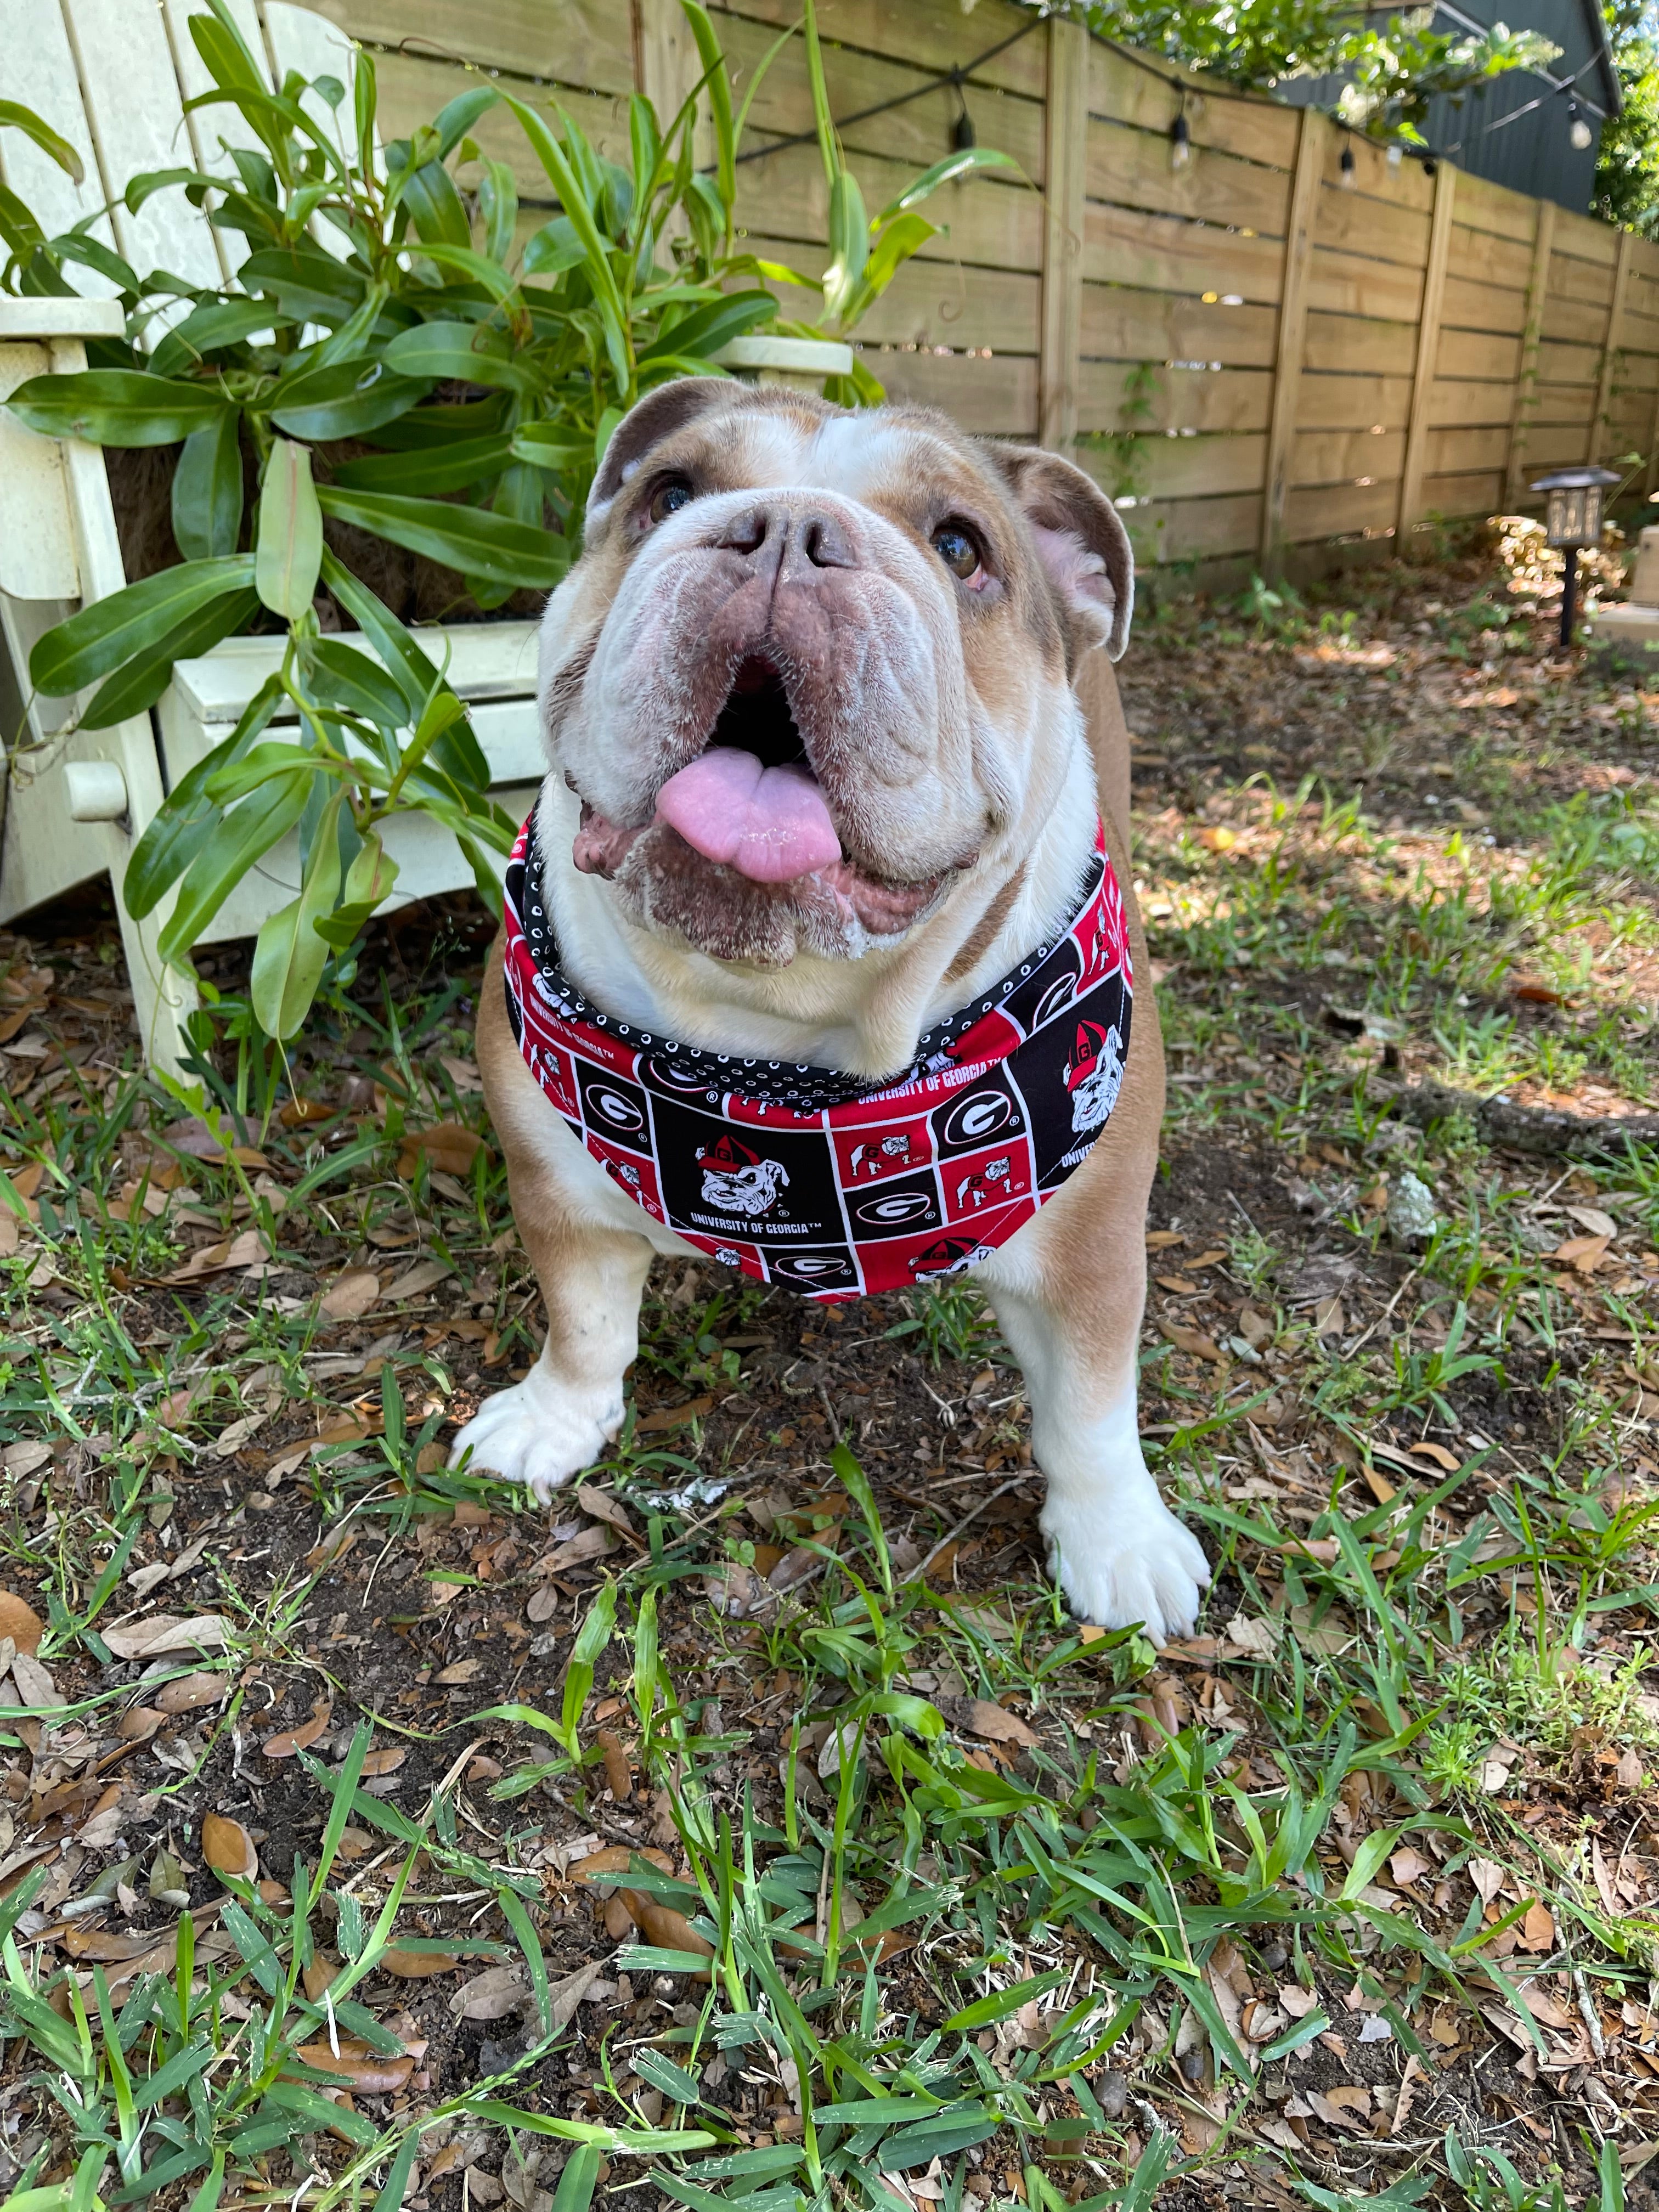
{"points": [[1349, 168], [1577, 130], [1180, 140]]}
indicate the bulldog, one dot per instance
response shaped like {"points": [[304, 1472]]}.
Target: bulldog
{"points": [[821, 940]]}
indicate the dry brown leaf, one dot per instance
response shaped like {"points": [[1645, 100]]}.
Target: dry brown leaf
{"points": [[447, 1147], [287, 1741], [192, 1691], [493, 1995], [672, 1417], [1409, 1865], [1592, 1219], [247, 1250], [139, 1722], [1296, 2000], [618, 1773], [369, 2072], [424, 1275], [228, 1849], [593, 1543], [600, 1505], [1538, 1928], [417, 1965], [613, 1862], [163, 1633], [1487, 1877], [318, 1974], [21, 1623], [1344, 2105], [670, 1930], [1193, 1340], [995, 1724], [1160, 1240], [1437, 1454], [1584, 1255], [385, 1762], [463, 1670], [349, 1297]]}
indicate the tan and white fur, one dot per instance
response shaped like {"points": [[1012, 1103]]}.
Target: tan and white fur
{"points": [[963, 729]]}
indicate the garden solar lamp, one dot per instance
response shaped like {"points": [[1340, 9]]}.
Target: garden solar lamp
{"points": [[1572, 518]]}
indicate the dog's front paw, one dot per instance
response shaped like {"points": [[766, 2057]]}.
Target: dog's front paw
{"points": [[540, 1432], [1120, 1561]]}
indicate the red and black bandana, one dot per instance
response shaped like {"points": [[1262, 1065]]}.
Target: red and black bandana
{"points": [[822, 1181]]}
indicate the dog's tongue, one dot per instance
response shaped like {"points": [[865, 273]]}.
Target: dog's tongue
{"points": [[769, 823]]}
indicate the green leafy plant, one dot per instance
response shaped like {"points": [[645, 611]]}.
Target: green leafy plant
{"points": [[395, 359]]}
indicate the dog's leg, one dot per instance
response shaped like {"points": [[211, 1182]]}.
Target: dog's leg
{"points": [[1118, 1553], [559, 1419]]}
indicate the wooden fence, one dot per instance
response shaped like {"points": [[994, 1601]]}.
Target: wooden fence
{"points": [[1260, 357]]}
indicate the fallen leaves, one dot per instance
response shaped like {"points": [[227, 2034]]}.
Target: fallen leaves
{"points": [[349, 1297], [21, 1623], [371, 2073], [165, 1633], [228, 1849], [247, 1249], [447, 1147], [287, 1741]]}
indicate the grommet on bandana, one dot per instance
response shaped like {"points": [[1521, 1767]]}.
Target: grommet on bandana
{"points": [[819, 1179]]}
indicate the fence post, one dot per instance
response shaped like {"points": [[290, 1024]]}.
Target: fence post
{"points": [[1065, 156], [1311, 147], [1610, 349], [1428, 347], [1526, 389]]}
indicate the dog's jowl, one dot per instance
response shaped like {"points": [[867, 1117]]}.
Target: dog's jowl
{"points": [[821, 955]]}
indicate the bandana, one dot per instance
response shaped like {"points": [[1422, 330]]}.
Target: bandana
{"points": [[823, 1181]]}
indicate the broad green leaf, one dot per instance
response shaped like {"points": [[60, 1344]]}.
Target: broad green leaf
{"points": [[457, 752], [106, 634], [553, 445], [140, 683], [468, 352], [180, 828], [468, 538], [16, 117], [553, 249], [478, 268], [341, 676], [343, 399], [368, 885], [579, 2179], [707, 328], [116, 407], [963, 163], [289, 551], [204, 330], [849, 243], [396, 2187], [233, 843], [718, 82], [207, 489], [568, 191], [439, 468], [498, 203], [311, 285], [288, 955], [436, 208]]}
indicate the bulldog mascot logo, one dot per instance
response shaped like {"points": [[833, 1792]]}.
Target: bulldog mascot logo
{"points": [[737, 1181], [1094, 1074]]}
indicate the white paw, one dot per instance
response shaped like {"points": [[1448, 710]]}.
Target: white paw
{"points": [[1121, 1561], [540, 1433]]}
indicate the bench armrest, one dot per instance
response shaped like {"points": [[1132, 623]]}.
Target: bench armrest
{"points": [[45, 318]]}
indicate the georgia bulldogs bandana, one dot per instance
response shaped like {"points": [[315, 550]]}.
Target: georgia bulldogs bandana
{"points": [[818, 1180]]}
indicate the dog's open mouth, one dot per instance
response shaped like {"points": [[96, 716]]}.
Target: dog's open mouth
{"points": [[751, 802], [749, 799]]}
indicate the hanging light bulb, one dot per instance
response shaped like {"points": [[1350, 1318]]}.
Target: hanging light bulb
{"points": [[1394, 157], [1181, 141], [1578, 130], [1349, 168]]}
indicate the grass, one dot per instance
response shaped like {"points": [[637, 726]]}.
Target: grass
{"points": [[913, 1894]]}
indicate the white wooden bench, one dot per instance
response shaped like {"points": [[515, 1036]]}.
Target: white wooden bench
{"points": [[112, 77]]}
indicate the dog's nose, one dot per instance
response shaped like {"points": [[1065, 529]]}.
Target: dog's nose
{"points": [[789, 541]]}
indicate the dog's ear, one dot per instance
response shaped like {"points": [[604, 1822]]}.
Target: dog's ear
{"points": [[646, 425], [1079, 539]]}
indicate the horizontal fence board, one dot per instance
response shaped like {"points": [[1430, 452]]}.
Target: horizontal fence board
{"points": [[1573, 278], [1472, 306], [1258, 129], [1393, 184], [1469, 492], [580, 43], [996, 398], [1341, 510], [1478, 258], [928, 302], [1121, 324], [1581, 236], [1194, 529], [1559, 362], [932, 35], [919, 132], [1454, 404], [1351, 284], [1184, 468], [1132, 169], [1377, 228], [1550, 446], [1351, 457], [1167, 398], [1463, 449], [1352, 403], [1347, 341], [1484, 355], [1169, 253], [1496, 208], [994, 225], [412, 90]]}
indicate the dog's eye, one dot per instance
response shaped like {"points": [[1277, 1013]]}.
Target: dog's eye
{"points": [[669, 497], [958, 549]]}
